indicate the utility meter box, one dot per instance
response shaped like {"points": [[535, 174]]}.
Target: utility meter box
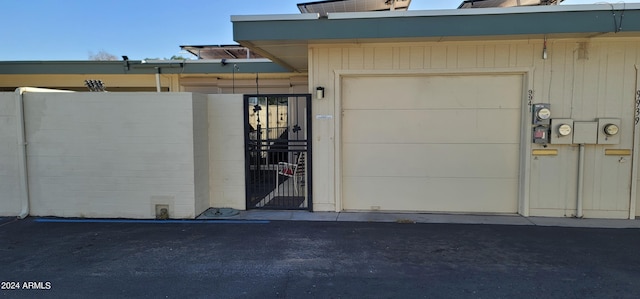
{"points": [[608, 131], [585, 132], [561, 131], [540, 135], [541, 114]]}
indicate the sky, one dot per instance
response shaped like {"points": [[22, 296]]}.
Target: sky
{"points": [[140, 29]]}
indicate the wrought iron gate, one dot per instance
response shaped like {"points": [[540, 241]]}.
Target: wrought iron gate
{"points": [[278, 151]]}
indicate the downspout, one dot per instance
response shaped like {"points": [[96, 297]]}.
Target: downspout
{"points": [[22, 153], [633, 200], [579, 212], [157, 79], [22, 144]]}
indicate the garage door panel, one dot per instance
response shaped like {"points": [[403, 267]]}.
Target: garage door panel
{"points": [[431, 160], [426, 92], [431, 126], [500, 126], [430, 194], [431, 143]]}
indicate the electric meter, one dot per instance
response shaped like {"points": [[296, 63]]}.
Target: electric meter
{"points": [[543, 113], [564, 130], [611, 129]]}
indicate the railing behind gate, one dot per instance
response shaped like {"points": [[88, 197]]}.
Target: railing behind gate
{"points": [[278, 151]]}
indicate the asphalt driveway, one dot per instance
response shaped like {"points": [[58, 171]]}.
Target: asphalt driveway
{"points": [[300, 259]]}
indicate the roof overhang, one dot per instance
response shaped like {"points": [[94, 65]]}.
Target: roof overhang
{"points": [[285, 38], [331, 6], [220, 51], [220, 66], [505, 3]]}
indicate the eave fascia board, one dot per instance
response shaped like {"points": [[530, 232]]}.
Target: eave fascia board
{"points": [[521, 21], [487, 11], [275, 17], [139, 67]]}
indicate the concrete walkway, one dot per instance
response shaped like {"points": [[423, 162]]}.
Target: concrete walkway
{"points": [[428, 218]]}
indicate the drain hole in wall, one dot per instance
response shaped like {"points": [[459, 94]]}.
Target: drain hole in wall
{"points": [[162, 211]]}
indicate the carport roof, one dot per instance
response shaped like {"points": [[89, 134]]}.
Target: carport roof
{"points": [[214, 66], [285, 38]]}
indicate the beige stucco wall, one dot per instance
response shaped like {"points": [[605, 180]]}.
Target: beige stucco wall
{"points": [[115, 154], [10, 204], [582, 79], [226, 146]]}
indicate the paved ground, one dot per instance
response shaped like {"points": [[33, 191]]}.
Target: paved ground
{"points": [[316, 259]]}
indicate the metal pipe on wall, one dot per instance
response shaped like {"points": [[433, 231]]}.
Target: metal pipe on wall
{"points": [[633, 198], [22, 144], [157, 79], [22, 153], [579, 212]]}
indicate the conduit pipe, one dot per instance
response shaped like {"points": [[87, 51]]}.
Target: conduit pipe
{"points": [[157, 79], [633, 202], [579, 212], [22, 144]]}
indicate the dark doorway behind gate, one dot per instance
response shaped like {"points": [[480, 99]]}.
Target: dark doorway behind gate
{"points": [[278, 151]]}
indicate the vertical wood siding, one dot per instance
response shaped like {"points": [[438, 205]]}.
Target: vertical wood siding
{"points": [[582, 79]]}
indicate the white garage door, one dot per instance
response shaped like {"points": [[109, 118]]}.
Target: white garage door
{"points": [[431, 143]]}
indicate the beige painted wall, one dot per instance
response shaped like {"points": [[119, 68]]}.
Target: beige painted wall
{"points": [[115, 154], [583, 79], [226, 146], [10, 204]]}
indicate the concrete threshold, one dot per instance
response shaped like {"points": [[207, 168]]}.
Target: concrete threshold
{"points": [[276, 215]]}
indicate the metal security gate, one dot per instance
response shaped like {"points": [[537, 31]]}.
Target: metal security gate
{"points": [[278, 151]]}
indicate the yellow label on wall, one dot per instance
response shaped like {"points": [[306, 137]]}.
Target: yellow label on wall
{"points": [[617, 152], [544, 152]]}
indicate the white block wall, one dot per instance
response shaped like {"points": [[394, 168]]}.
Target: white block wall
{"points": [[9, 167], [226, 145], [116, 155], [201, 152]]}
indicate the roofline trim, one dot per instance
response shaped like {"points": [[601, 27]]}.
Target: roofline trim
{"points": [[207, 46], [425, 24], [278, 17], [486, 11], [138, 67], [441, 12], [230, 60], [133, 63]]}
